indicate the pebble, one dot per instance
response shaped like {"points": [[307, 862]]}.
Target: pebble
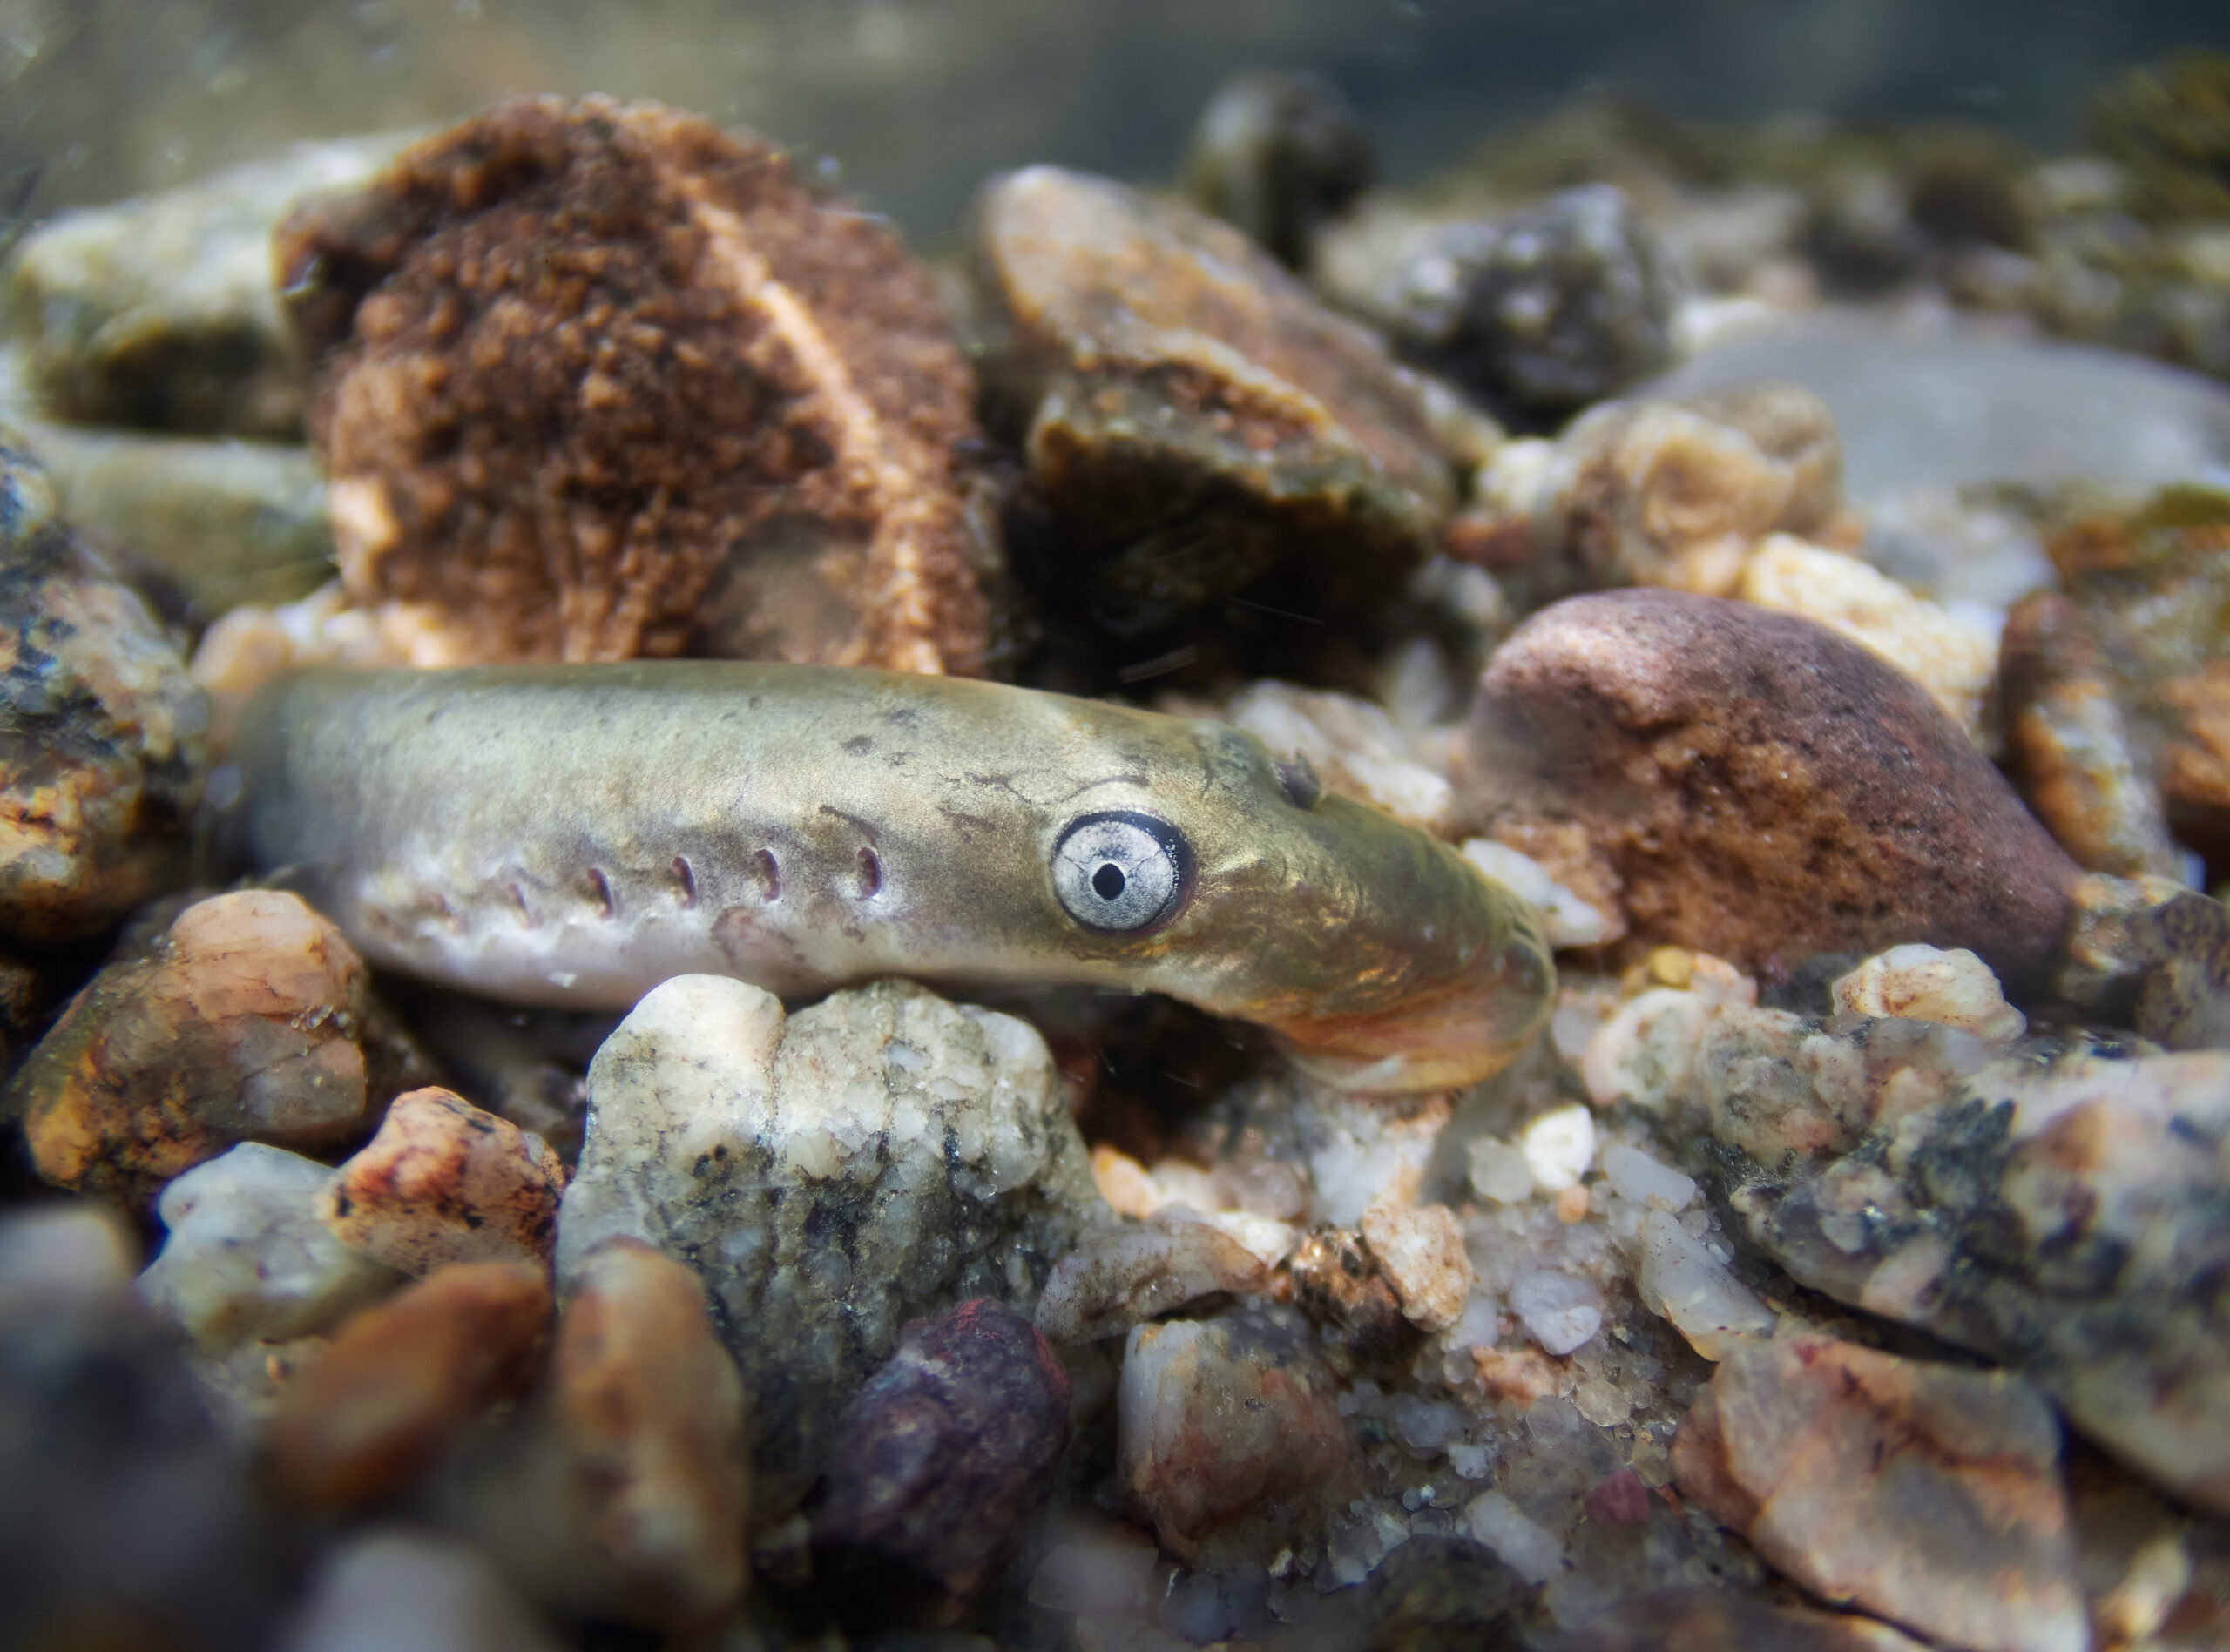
{"points": [[648, 1416], [129, 1520], [247, 1259], [1498, 1524], [1119, 1277], [1339, 1282], [443, 1181], [1927, 1494], [1559, 1147], [2071, 747], [251, 1018], [1634, 1175], [1540, 311], [1562, 1310], [158, 313], [392, 1586], [1764, 789], [222, 521], [2184, 1001], [1276, 153], [1915, 982], [2148, 581], [1500, 1171], [399, 1381], [1712, 1620], [1197, 427], [699, 410], [1420, 1250], [1954, 657], [1567, 919], [104, 752], [1865, 1154], [889, 1154], [1654, 492], [943, 1457], [1937, 401], [1351, 746], [1229, 1440], [1679, 1279]]}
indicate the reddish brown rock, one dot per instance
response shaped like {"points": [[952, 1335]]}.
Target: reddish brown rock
{"points": [[648, 1413], [605, 382], [252, 1019], [399, 1381], [1229, 1438], [943, 1456], [1764, 789], [443, 1181], [1925, 1492]]}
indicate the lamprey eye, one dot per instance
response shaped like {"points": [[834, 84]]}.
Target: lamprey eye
{"points": [[1119, 874]]}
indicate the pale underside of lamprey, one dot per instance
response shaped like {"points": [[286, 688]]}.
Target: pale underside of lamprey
{"points": [[574, 835]]}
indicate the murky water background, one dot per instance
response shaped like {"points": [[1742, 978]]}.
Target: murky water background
{"points": [[917, 99]]}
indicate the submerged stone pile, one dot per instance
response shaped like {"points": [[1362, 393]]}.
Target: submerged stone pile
{"points": [[1842, 1269]]}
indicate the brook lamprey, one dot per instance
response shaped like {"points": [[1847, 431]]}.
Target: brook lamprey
{"points": [[573, 835]]}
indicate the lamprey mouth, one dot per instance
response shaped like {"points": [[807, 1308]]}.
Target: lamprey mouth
{"points": [[1471, 1031]]}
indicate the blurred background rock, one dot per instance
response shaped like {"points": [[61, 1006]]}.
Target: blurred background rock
{"points": [[919, 98]]}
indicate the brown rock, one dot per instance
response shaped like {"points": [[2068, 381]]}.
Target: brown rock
{"points": [[1765, 790], [650, 1414], [1193, 421], [1925, 1492], [1229, 1438], [251, 1019], [399, 1381], [2071, 748], [102, 734], [443, 1181], [943, 1456], [1337, 1281], [606, 381]]}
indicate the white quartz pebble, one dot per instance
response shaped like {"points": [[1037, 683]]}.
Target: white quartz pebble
{"points": [[1500, 1172], [1528, 1550], [1633, 1175], [1559, 1309], [1954, 988], [1560, 1146]]}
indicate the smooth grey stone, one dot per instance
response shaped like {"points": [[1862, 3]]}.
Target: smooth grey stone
{"points": [[1930, 402]]}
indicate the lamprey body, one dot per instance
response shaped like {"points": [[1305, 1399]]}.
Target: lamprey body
{"points": [[573, 835]]}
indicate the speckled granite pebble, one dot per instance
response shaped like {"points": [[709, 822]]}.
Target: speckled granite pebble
{"points": [[1764, 789], [829, 1175]]}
